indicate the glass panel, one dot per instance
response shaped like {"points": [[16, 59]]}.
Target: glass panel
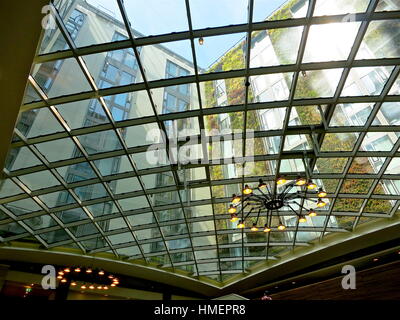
{"points": [[125, 185], [8, 188], [78, 172], [60, 149], [330, 42], [22, 207], [60, 77], [339, 142], [90, 192], [318, 83], [121, 238], [130, 105], [271, 87], [207, 13], [55, 236], [366, 81], [100, 142], [113, 165], [72, 215], [275, 47], [20, 158], [57, 199], [379, 40], [40, 222], [172, 16], [85, 113], [160, 62], [326, 7], [385, 5], [348, 204], [330, 165], [221, 93], [360, 186], [388, 114], [133, 203], [38, 122], [113, 68], [379, 141], [142, 135], [305, 115], [352, 114], [39, 180], [366, 165], [345, 222]]}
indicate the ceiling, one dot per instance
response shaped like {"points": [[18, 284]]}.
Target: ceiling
{"points": [[315, 83]]}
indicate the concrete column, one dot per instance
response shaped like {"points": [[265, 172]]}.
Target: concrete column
{"points": [[20, 26]]}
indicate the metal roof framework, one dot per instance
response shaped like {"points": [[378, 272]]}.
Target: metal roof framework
{"points": [[316, 131]]}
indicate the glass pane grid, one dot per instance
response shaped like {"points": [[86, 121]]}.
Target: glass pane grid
{"points": [[107, 192]]}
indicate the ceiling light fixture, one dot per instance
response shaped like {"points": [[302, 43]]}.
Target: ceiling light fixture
{"points": [[265, 199]]}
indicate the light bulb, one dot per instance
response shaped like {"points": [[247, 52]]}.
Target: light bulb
{"points": [[321, 193], [89, 270], [101, 273], [254, 227], [99, 287], [77, 270], [235, 199], [281, 180], [281, 227], [266, 229], [311, 185], [261, 184], [113, 285], [201, 41], [105, 288], [247, 189], [83, 287], [59, 277], [240, 224], [312, 213], [91, 287], [73, 284], [67, 270], [301, 181], [64, 280], [302, 219], [232, 209], [234, 218], [321, 203]]}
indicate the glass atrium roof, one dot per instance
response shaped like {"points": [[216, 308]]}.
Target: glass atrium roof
{"points": [[111, 98]]}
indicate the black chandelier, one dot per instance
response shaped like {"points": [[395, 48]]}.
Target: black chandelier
{"points": [[265, 199]]}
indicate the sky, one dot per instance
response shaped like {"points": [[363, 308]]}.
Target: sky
{"points": [[152, 17]]}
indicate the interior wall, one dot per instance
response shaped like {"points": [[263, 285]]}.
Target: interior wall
{"points": [[378, 283]]}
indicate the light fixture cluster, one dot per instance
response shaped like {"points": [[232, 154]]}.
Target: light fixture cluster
{"points": [[91, 279], [268, 199]]}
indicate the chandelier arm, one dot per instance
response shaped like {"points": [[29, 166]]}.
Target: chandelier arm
{"points": [[242, 208], [258, 215], [269, 213], [286, 190], [268, 196], [251, 210], [257, 196], [300, 205], [293, 210]]}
